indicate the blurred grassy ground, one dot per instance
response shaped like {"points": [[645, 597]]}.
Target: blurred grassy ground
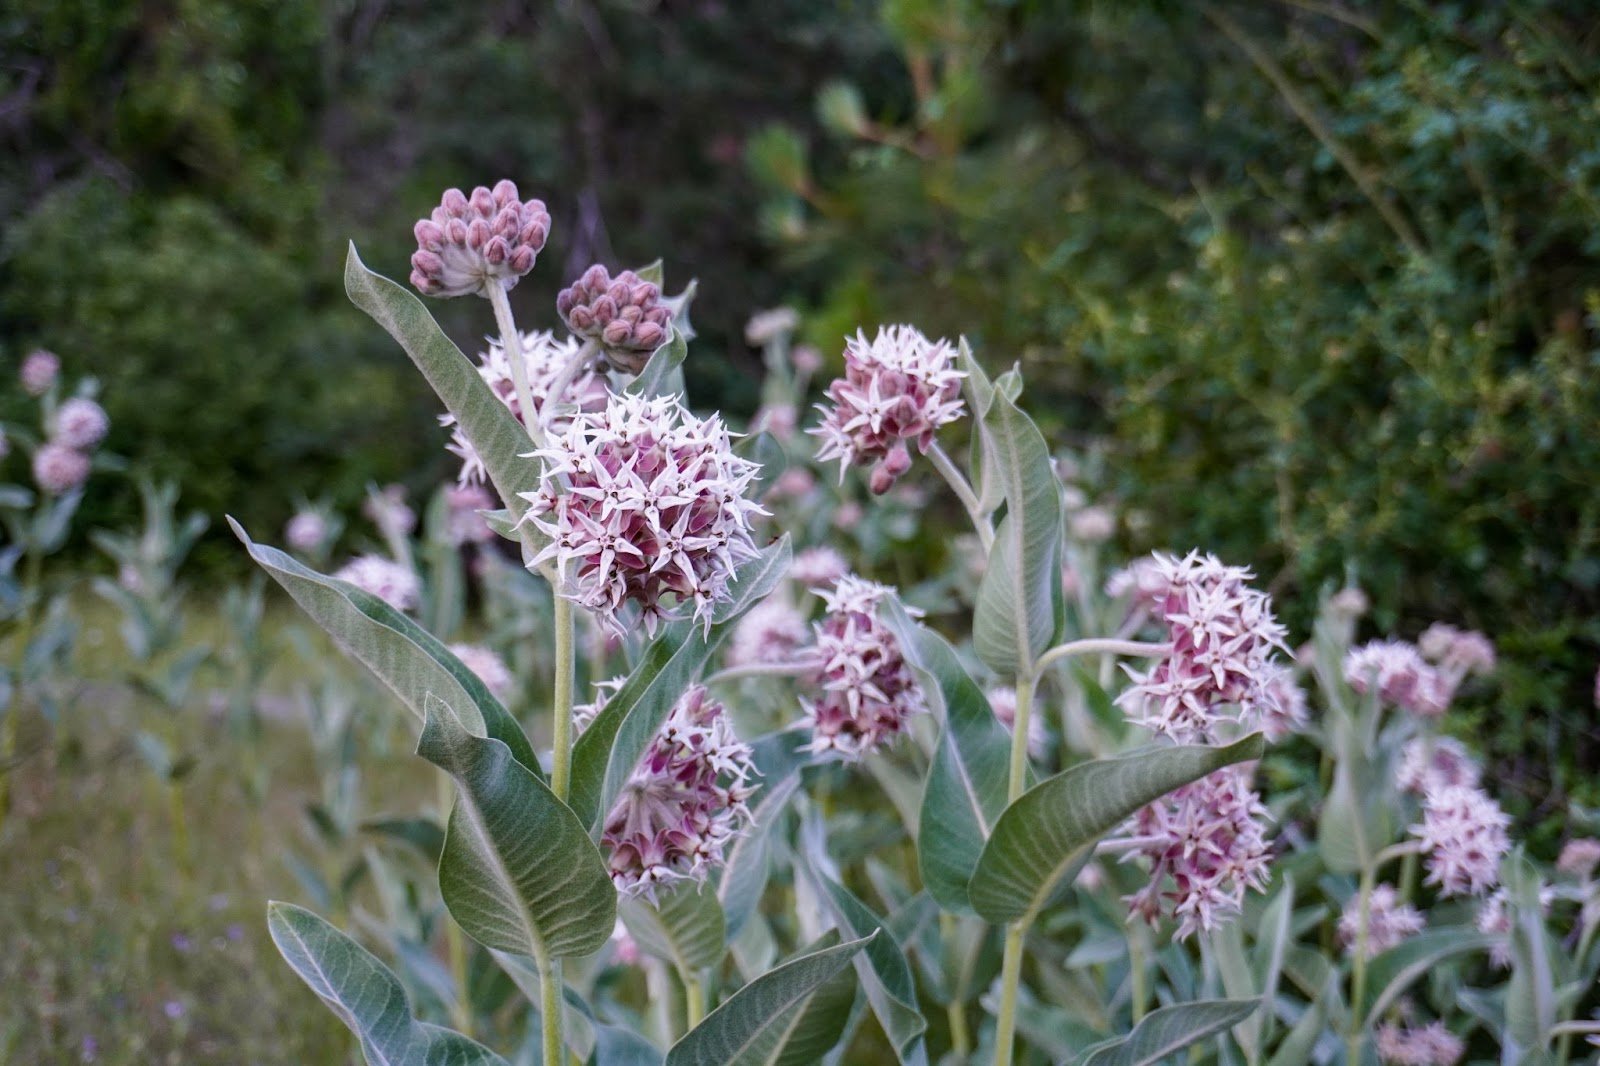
{"points": [[110, 952]]}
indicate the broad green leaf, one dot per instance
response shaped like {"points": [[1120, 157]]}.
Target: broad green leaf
{"points": [[684, 927], [1297, 1046], [1052, 828], [1394, 971], [1341, 834], [1167, 1030], [519, 872], [404, 656], [751, 1022], [1531, 995], [883, 970], [1272, 943], [813, 1028], [487, 423], [660, 376], [744, 877], [421, 834], [965, 791], [1017, 615], [1227, 949], [762, 448], [617, 739], [366, 995]]}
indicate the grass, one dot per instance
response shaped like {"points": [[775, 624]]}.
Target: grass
{"points": [[112, 950]]}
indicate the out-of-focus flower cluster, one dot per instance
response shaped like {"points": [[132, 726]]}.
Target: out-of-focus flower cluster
{"points": [[897, 389], [488, 666], [384, 578], [1003, 701], [1389, 921], [1429, 763], [869, 692], [73, 429], [1427, 1045], [654, 512], [684, 802], [1420, 678], [544, 356], [1464, 834], [771, 632], [470, 243]]}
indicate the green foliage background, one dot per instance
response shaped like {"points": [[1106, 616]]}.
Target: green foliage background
{"points": [[1312, 284]]}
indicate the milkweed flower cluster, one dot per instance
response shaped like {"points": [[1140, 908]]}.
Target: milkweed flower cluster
{"points": [[1428, 1045], [818, 566], [1464, 834], [1494, 919], [544, 357], [306, 532], [1223, 637], [654, 512], [1428, 764], [684, 802], [773, 631], [1283, 710], [386, 579], [1579, 857], [1389, 921], [80, 423], [488, 666], [869, 692], [1457, 652], [388, 510], [1143, 582], [465, 523], [625, 314], [897, 389], [1399, 675], [39, 372], [472, 242], [1209, 839]]}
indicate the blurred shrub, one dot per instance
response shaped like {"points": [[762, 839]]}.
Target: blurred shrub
{"points": [[1319, 283]]}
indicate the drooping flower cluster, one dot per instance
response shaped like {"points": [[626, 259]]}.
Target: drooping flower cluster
{"points": [[684, 802], [1428, 1045], [1389, 921], [489, 667], [1223, 637], [654, 512], [897, 389], [869, 692], [1399, 674], [773, 631], [384, 578], [1428, 764], [472, 242], [1003, 701], [39, 372], [1464, 834], [1208, 840], [544, 357], [625, 314]]}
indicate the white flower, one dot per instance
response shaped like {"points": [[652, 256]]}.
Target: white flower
{"points": [[59, 468], [771, 632]]}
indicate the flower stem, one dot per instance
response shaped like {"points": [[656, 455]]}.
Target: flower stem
{"points": [[1011, 962], [963, 490], [955, 1010], [561, 726], [1136, 974], [557, 392], [794, 668], [550, 1007], [1103, 646], [694, 1000], [511, 341]]}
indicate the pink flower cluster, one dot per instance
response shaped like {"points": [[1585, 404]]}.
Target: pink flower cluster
{"points": [[1282, 710], [1428, 764], [625, 314], [1464, 834], [818, 566], [1389, 921], [1579, 857], [684, 802], [1457, 652], [1223, 637], [1428, 1045], [543, 358], [1495, 919], [869, 692], [472, 242], [654, 512], [772, 631], [488, 666], [384, 578], [39, 372], [306, 532], [1209, 839], [1143, 582], [73, 430], [465, 523], [1399, 674], [897, 389]]}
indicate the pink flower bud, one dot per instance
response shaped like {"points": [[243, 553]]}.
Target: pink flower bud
{"points": [[59, 468], [39, 371], [471, 243], [623, 313]]}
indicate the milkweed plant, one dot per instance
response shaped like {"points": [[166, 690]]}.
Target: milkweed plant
{"points": [[761, 805]]}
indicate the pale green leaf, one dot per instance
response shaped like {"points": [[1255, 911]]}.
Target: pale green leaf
{"points": [[1395, 970], [612, 745], [494, 432], [403, 655], [1167, 1030], [743, 1030], [519, 872], [1017, 615], [685, 926], [1052, 828], [883, 971], [366, 995]]}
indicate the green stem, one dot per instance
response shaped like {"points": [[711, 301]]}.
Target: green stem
{"points": [[557, 392], [960, 1036], [1358, 966], [561, 731], [1102, 646], [795, 668], [550, 1007], [694, 1000], [1136, 974], [454, 940], [963, 490], [511, 341], [1011, 963]]}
